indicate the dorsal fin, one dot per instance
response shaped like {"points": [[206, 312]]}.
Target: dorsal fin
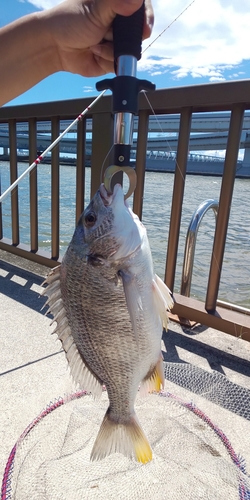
{"points": [[79, 370]]}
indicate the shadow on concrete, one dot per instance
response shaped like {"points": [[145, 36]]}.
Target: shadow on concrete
{"points": [[21, 291], [30, 363], [215, 357], [17, 283]]}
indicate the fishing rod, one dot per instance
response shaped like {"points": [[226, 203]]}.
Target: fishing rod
{"points": [[50, 147], [126, 67]]}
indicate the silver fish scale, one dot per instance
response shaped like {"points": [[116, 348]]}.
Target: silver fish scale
{"points": [[100, 324]]}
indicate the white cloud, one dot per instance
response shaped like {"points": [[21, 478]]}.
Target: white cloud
{"points": [[156, 73], [87, 88], [209, 36], [217, 79]]}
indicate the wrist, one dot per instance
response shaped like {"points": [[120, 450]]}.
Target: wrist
{"points": [[47, 46]]}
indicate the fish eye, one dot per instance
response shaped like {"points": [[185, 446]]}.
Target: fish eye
{"points": [[90, 219]]}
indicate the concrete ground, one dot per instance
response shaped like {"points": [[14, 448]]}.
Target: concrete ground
{"points": [[33, 369]]}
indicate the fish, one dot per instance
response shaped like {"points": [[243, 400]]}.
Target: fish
{"points": [[110, 309]]}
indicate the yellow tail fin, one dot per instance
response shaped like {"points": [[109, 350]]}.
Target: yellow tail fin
{"points": [[126, 438]]}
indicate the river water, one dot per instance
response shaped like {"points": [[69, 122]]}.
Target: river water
{"points": [[235, 278]]}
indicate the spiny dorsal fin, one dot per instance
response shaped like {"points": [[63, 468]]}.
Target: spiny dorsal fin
{"points": [[80, 373], [53, 275]]}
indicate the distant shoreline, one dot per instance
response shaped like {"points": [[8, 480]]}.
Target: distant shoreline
{"points": [[161, 165]]}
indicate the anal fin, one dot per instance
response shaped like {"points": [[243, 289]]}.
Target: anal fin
{"points": [[154, 380]]}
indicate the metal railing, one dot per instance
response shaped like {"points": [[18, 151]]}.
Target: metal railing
{"points": [[185, 101], [191, 237]]}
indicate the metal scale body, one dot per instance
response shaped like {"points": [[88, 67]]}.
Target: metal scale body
{"points": [[125, 87]]}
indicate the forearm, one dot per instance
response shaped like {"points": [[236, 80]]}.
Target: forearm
{"points": [[28, 55], [67, 37]]}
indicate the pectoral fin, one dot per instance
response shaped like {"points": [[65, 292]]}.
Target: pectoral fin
{"points": [[133, 300], [163, 299]]}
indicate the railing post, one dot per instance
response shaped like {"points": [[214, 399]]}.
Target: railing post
{"points": [[33, 187], [102, 128], [226, 194], [178, 192], [141, 154], [1, 215], [55, 195], [80, 167], [13, 177]]}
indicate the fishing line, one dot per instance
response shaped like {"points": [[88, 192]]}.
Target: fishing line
{"points": [[79, 117], [160, 127], [176, 162], [167, 27], [151, 107], [103, 163]]}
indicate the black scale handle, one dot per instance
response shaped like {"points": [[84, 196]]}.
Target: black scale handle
{"points": [[127, 34]]}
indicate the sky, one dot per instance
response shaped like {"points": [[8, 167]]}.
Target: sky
{"points": [[208, 42]]}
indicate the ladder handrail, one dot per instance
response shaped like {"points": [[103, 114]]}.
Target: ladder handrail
{"points": [[188, 261]]}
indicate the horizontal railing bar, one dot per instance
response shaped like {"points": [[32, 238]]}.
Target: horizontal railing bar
{"points": [[212, 97], [24, 251], [222, 319], [207, 97]]}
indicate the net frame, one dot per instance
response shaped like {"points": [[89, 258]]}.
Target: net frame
{"points": [[238, 461]]}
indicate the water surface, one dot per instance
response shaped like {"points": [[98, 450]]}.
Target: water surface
{"points": [[235, 278]]}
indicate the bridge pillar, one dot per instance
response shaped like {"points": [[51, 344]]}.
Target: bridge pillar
{"points": [[244, 169], [5, 151], [246, 158]]}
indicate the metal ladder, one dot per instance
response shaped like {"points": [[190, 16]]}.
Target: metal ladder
{"points": [[191, 237]]}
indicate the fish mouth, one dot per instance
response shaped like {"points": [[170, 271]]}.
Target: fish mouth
{"points": [[108, 198]]}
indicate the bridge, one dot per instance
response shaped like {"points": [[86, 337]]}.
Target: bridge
{"points": [[209, 133]]}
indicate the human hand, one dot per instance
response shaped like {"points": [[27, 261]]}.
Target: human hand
{"points": [[82, 33]]}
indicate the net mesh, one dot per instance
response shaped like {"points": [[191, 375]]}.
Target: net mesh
{"points": [[197, 452]]}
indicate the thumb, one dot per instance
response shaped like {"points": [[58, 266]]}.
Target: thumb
{"points": [[126, 8]]}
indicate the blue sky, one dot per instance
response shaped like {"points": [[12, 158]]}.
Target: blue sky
{"points": [[209, 42]]}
